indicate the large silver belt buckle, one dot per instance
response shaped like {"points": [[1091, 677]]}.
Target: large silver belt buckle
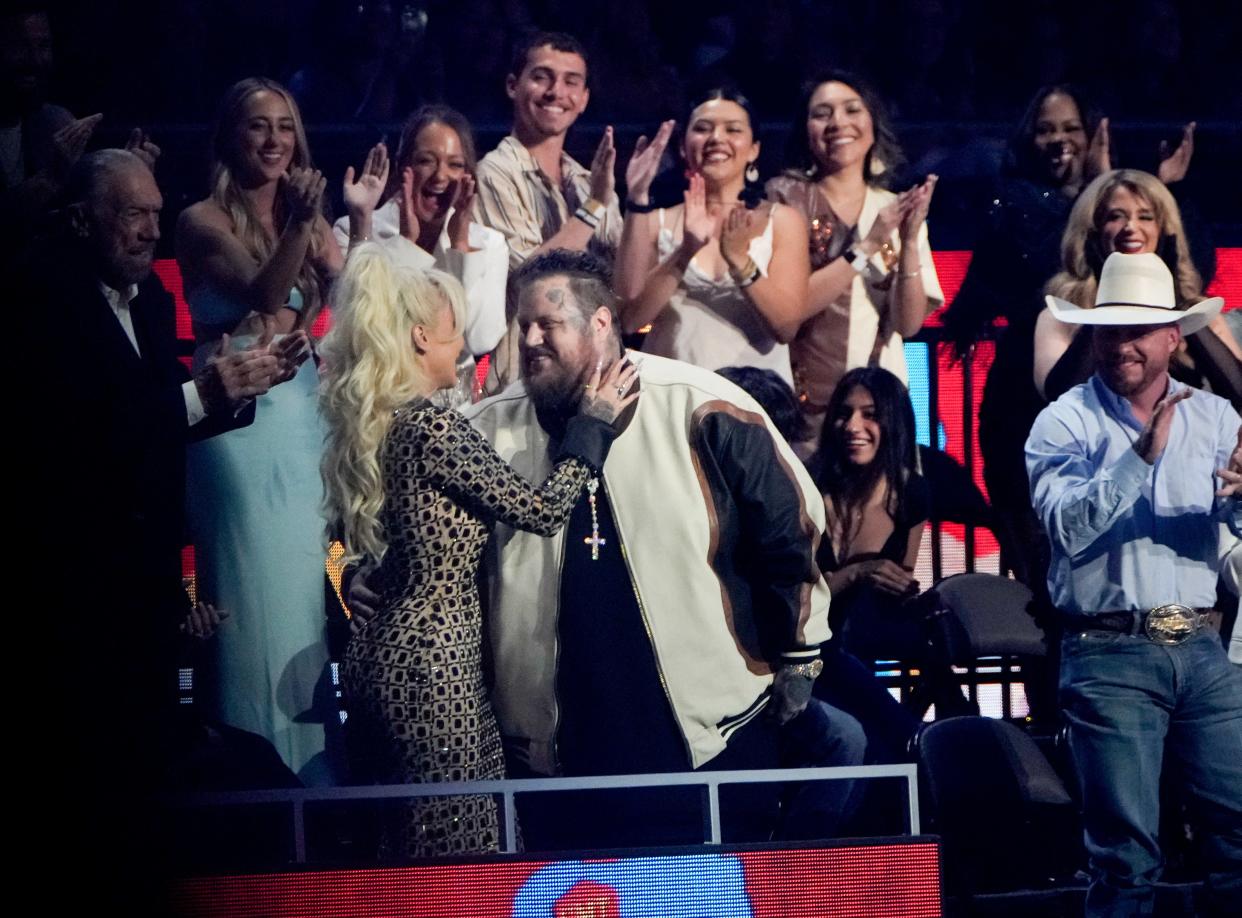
{"points": [[1171, 623]]}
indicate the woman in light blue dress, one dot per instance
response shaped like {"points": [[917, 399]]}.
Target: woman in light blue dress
{"points": [[256, 257]]}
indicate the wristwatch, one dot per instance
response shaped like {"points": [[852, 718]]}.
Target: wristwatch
{"points": [[809, 670], [591, 212], [857, 260]]}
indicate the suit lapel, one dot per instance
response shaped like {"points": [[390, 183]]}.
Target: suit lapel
{"points": [[108, 332], [140, 311], [154, 327]]}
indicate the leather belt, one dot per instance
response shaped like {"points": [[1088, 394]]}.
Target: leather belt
{"points": [[1171, 623]]}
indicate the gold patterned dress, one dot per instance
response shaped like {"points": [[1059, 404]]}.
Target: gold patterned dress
{"points": [[413, 675]]}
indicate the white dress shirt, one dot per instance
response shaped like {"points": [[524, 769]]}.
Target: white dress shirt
{"points": [[118, 301]]}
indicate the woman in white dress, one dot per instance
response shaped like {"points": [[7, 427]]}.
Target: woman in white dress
{"points": [[720, 284]]}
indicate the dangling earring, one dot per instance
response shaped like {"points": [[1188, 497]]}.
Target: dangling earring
{"points": [[752, 173]]}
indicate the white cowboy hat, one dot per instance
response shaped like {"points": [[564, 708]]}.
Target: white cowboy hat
{"points": [[1136, 290]]}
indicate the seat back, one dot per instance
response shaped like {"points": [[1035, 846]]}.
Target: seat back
{"points": [[1006, 818], [994, 618]]}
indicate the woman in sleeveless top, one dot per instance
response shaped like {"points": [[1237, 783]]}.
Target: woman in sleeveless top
{"points": [[718, 283], [872, 280], [256, 256], [416, 488]]}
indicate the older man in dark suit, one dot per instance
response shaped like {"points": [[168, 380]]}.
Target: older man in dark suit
{"points": [[116, 408], [105, 411]]}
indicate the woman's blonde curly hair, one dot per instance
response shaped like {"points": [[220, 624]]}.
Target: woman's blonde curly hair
{"points": [[369, 371]]}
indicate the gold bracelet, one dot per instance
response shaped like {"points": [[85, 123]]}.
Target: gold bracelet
{"points": [[747, 269], [910, 275], [749, 278]]}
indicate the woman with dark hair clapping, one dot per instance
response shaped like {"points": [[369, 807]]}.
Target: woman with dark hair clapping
{"points": [[718, 283], [872, 280], [1060, 144]]}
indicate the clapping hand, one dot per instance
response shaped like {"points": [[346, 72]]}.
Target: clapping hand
{"points": [[699, 226], [304, 193], [203, 620], [1231, 475], [290, 352], [1155, 434], [1174, 166], [914, 206], [250, 372], [141, 145], [409, 226], [233, 377], [736, 232], [887, 219], [905, 214], [644, 164], [230, 378], [459, 222], [603, 177], [1098, 156], [70, 142], [362, 195]]}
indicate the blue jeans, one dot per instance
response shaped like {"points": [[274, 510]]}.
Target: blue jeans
{"points": [[849, 685], [821, 736], [1123, 697]]}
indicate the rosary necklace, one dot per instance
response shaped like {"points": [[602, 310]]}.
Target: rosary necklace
{"points": [[593, 539]]}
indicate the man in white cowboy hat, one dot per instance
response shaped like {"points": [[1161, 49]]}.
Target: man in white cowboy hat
{"points": [[1131, 473]]}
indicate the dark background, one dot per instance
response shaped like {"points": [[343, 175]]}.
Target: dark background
{"points": [[956, 74]]}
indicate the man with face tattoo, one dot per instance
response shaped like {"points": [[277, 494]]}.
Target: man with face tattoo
{"points": [[674, 623]]}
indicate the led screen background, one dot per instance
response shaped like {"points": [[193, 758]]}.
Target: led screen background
{"points": [[877, 880]]}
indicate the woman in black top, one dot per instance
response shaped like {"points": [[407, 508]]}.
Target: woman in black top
{"points": [[1060, 143], [876, 505]]}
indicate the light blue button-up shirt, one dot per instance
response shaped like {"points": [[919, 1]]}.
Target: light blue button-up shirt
{"points": [[1125, 534]]}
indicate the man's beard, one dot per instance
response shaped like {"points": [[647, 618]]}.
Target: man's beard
{"points": [[556, 398], [1125, 384], [1121, 385]]}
